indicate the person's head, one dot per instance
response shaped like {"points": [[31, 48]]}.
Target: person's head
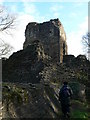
{"points": [[65, 83]]}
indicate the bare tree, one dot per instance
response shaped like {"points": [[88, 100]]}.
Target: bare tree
{"points": [[86, 40], [6, 24], [5, 49], [86, 43], [6, 20]]}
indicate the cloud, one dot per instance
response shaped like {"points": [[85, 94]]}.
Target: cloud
{"points": [[1, 1], [17, 38], [74, 39], [73, 15], [13, 8], [78, 4], [28, 14], [88, 23], [74, 43], [56, 8], [55, 0], [45, 0], [83, 27], [29, 8], [56, 14]]}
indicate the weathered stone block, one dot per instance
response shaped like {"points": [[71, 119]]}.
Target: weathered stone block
{"points": [[51, 35]]}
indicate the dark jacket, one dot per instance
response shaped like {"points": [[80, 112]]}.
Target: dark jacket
{"points": [[65, 94]]}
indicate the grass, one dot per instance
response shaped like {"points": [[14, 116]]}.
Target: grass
{"points": [[79, 114], [79, 110]]}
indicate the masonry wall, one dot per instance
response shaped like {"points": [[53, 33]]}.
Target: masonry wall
{"points": [[51, 35]]}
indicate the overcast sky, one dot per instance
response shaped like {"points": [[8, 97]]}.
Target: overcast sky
{"points": [[73, 16]]}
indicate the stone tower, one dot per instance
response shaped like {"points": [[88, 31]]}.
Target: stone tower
{"points": [[51, 35]]}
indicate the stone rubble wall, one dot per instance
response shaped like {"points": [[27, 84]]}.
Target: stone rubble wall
{"points": [[51, 35]]}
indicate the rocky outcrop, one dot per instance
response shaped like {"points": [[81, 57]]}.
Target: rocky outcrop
{"points": [[30, 101], [52, 36], [24, 65]]}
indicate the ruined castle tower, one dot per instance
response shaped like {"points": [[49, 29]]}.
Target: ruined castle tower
{"points": [[51, 35]]}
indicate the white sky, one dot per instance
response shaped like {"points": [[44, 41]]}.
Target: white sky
{"points": [[74, 19]]}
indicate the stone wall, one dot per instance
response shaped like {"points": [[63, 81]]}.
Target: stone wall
{"points": [[51, 35], [24, 65]]}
